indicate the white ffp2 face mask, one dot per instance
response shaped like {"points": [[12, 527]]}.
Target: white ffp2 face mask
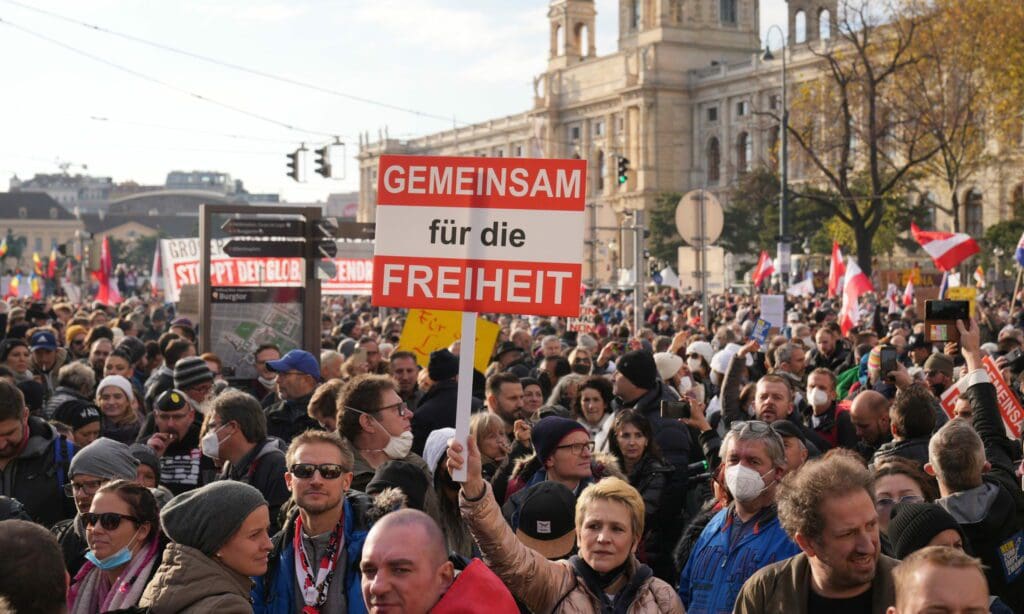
{"points": [[817, 397], [694, 364], [744, 483]]}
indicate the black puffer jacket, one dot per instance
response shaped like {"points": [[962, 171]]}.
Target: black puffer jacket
{"points": [[913, 449], [37, 476], [662, 505]]}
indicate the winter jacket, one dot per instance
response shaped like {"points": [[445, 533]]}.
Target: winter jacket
{"points": [[840, 360], [436, 410], [262, 468], [476, 590], [553, 586], [288, 418], [62, 395], [189, 582], [783, 587], [912, 449], [992, 515], [661, 510], [673, 438], [36, 477], [274, 593], [835, 427], [73, 546], [717, 567]]}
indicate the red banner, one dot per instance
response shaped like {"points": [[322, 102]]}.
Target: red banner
{"points": [[1009, 407]]}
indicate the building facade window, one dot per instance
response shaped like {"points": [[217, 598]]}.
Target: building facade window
{"points": [[744, 152], [727, 11], [800, 25], [974, 216], [712, 114], [574, 134], [742, 108], [602, 171], [714, 159], [636, 14]]}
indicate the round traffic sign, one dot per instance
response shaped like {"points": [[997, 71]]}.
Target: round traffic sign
{"points": [[688, 217]]}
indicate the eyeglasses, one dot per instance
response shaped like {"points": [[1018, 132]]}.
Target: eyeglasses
{"points": [[108, 520], [88, 488], [887, 503], [401, 408], [577, 448], [328, 471]]}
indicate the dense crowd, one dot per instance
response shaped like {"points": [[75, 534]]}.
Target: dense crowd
{"points": [[680, 467]]}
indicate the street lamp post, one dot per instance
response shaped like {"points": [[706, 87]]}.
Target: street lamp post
{"points": [[783, 247]]}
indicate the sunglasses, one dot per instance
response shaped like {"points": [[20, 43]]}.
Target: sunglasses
{"points": [[328, 471], [108, 520]]}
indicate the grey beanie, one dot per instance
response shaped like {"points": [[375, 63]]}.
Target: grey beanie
{"points": [[191, 371], [106, 459], [206, 518]]}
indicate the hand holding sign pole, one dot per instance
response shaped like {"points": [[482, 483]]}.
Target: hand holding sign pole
{"points": [[479, 235]]}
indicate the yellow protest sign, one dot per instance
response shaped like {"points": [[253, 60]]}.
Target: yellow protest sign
{"points": [[963, 293], [427, 330]]}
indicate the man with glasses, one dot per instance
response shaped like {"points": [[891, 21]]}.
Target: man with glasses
{"points": [[378, 425], [102, 461], [746, 535], [237, 434], [33, 460], [172, 431], [298, 374], [314, 563]]}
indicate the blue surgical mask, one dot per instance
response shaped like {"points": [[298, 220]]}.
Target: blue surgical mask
{"points": [[113, 561]]}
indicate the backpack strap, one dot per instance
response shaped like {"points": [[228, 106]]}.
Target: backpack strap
{"points": [[62, 453]]}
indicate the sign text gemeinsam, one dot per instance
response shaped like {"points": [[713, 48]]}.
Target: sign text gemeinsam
{"points": [[480, 234]]}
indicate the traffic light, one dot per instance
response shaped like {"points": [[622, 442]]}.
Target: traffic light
{"points": [[323, 161], [623, 169], [293, 164]]}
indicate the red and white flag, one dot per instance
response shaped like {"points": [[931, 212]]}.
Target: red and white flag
{"points": [[107, 293], [836, 271], [947, 249], [764, 269], [908, 293], [857, 283]]}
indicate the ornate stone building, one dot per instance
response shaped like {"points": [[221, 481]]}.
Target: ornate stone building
{"points": [[677, 98]]}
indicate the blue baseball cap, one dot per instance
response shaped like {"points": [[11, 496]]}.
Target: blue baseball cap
{"points": [[43, 340], [296, 360]]}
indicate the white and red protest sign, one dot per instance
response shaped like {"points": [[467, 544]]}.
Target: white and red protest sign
{"points": [[480, 234], [1009, 407], [180, 263]]}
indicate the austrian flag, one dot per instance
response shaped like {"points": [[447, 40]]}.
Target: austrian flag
{"points": [[947, 249], [857, 283], [764, 269]]}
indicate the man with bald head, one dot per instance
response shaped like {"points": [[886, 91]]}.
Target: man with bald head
{"points": [[870, 416], [405, 568]]}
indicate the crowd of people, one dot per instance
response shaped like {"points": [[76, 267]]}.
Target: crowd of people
{"points": [[684, 466]]}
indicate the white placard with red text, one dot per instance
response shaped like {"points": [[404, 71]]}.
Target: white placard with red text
{"points": [[180, 260], [480, 234], [1009, 407]]}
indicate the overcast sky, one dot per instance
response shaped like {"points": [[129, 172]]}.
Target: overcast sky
{"points": [[467, 59]]}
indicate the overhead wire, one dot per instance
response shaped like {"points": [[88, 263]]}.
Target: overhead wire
{"points": [[246, 69]]}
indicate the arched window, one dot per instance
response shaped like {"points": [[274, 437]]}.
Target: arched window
{"points": [[636, 14], [801, 26], [560, 40], [602, 171], [824, 24], [744, 152], [714, 161], [974, 217], [727, 11], [581, 39]]}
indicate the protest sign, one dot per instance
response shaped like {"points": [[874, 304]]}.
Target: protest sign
{"points": [[1009, 407], [773, 309], [427, 330], [963, 293]]}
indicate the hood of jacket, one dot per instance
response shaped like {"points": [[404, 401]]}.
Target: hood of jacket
{"points": [[978, 505], [40, 435], [475, 586], [267, 447], [187, 579]]}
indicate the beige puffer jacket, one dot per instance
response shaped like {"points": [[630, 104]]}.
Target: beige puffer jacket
{"points": [[547, 586], [190, 582]]}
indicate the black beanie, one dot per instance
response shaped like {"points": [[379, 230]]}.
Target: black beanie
{"points": [[549, 431], [404, 476], [913, 525], [639, 367], [443, 365]]}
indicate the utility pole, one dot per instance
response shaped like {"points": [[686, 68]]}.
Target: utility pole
{"points": [[638, 268]]}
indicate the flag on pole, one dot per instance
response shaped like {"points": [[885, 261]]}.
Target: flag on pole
{"points": [[37, 263], [36, 286], [857, 283], [944, 286], [3, 247], [155, 277], [979, 277], [892, 297], [107, 293], [12, 286], [947, 249], [1018, 255], [908, 293], [836, 270], [51, 267], [764, 269]]}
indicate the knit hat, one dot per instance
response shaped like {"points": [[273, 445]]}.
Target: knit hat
{"points": [[550, 431], [547, 520], [404, 476], [639, 367], [701, 347], [106, 459], [73, 331], [189, 372], [443, 365], [436, 446], [33, 392], [207, 517], [913, 525], [145, 455], [668, 364], [118, 381], [76, 414], [940, 363]]}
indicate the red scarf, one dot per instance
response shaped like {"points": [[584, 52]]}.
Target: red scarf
{"points": [[314, 590]]}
